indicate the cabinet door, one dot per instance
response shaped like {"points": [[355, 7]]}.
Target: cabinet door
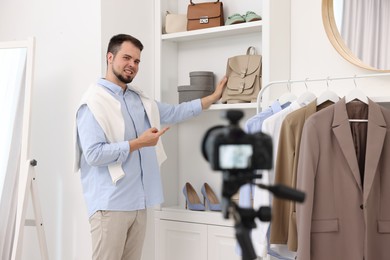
{"points": [[222, 243], [180, 240]]}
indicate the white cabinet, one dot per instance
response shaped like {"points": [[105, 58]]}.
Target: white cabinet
{"points": [[221, 243], [176, 55], [180, 240], [179, 237]]}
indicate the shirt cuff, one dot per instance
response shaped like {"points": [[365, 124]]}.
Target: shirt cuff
{"points": [[124, 148], [196, 106]]}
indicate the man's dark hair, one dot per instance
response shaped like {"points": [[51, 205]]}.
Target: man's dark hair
{"points": [[117, 40]]}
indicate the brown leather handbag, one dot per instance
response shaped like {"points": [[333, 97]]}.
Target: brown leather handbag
{"points": [[204, 15], [244, 78]]}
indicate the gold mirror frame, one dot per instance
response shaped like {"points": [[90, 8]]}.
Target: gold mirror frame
{"points": [[336, 39]]}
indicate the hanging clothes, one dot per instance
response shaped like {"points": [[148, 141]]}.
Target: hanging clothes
{"points": [[253, 125], [346, 213], [271, 126], [283, 225]]}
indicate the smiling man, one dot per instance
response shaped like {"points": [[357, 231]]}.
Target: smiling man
{"points": [[119, 151]]}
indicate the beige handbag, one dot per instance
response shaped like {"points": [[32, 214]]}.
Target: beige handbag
{"points": [[175, 23], [244, 78]]}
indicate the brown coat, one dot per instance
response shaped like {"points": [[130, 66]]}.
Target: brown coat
{"points": [[343, 218]]}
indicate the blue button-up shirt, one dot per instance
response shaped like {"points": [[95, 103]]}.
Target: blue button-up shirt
{"points": [[141, 186]]}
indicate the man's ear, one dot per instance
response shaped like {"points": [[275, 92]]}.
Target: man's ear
{"points": [[110, 57]]}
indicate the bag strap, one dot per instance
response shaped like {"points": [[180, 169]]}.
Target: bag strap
{"points": [[251, 51], [192, 3], [249, 54]]}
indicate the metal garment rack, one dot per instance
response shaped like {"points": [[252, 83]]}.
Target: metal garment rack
{"points": [[328, 79]]}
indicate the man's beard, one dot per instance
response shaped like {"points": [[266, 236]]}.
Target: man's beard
{"points": [[123, 79]]}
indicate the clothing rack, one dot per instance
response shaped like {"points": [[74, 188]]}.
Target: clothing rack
{"points": [[327, 79]]}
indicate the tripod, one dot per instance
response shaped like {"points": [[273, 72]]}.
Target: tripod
{"points": [[244, 218]]}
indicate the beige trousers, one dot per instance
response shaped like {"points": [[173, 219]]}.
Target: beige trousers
{"points": [[118, 235]]}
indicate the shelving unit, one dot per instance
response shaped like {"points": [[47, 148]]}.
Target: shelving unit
{"points": [[176, 55]]}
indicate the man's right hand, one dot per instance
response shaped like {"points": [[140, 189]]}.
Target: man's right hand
{"points": [[148, 138]]}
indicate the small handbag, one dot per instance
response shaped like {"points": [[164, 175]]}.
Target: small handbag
{"points": [[175, 23], [204, 15], [244, 78]]}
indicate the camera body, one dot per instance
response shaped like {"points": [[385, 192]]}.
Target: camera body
{"points": [[229, 148]]}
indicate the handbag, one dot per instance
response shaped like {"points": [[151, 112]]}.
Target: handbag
{"points": [[204, 15], [175, 23], [244, 78]]}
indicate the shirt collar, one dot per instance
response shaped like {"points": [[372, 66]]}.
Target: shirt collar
{"points": [[111, 86], [276, 107]]}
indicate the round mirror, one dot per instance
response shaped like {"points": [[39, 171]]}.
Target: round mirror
{"points": [[359, 31]]}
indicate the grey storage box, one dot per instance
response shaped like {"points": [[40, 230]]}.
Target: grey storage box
{"points": [[202, 78], [201, 85], [189, 92]]}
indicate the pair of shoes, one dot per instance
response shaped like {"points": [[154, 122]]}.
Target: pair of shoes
{"points": [[237, 18], [209, 198]]}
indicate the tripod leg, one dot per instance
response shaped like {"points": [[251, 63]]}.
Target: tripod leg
{"points": [[245, 242]]}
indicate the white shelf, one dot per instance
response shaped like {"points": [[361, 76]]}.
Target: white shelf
{"points": [[233, 106], [177, 213], [214, 32]]}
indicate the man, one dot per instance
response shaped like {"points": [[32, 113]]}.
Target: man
{"points": [[118, 131]]}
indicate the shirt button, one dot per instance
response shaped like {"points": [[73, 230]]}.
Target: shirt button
{"points": [[361, 206]]}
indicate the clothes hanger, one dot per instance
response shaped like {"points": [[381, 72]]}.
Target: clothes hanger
{"points": [[287, 97], [306, 97], [327, 95], [356, 93]]}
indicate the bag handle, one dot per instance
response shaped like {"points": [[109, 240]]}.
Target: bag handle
{"points": [[251, 50], [192, 3]]}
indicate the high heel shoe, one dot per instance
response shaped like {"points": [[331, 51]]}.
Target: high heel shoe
{"points": [[192, 198], [210, 198]]}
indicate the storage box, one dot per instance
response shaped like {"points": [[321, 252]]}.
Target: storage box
{"points": [[202, 78], [189, 92]]}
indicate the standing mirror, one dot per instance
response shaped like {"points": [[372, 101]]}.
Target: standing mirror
{"points": [[16, 175], [359, 31]]}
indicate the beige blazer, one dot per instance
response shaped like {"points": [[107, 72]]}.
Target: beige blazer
{"points": [[341, 219], [283, 225]]}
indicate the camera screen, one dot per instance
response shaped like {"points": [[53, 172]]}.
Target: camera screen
{"points": [[235, 156]]}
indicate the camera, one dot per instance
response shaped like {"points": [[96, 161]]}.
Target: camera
{"points": [[229, 148], [240, 156]]}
